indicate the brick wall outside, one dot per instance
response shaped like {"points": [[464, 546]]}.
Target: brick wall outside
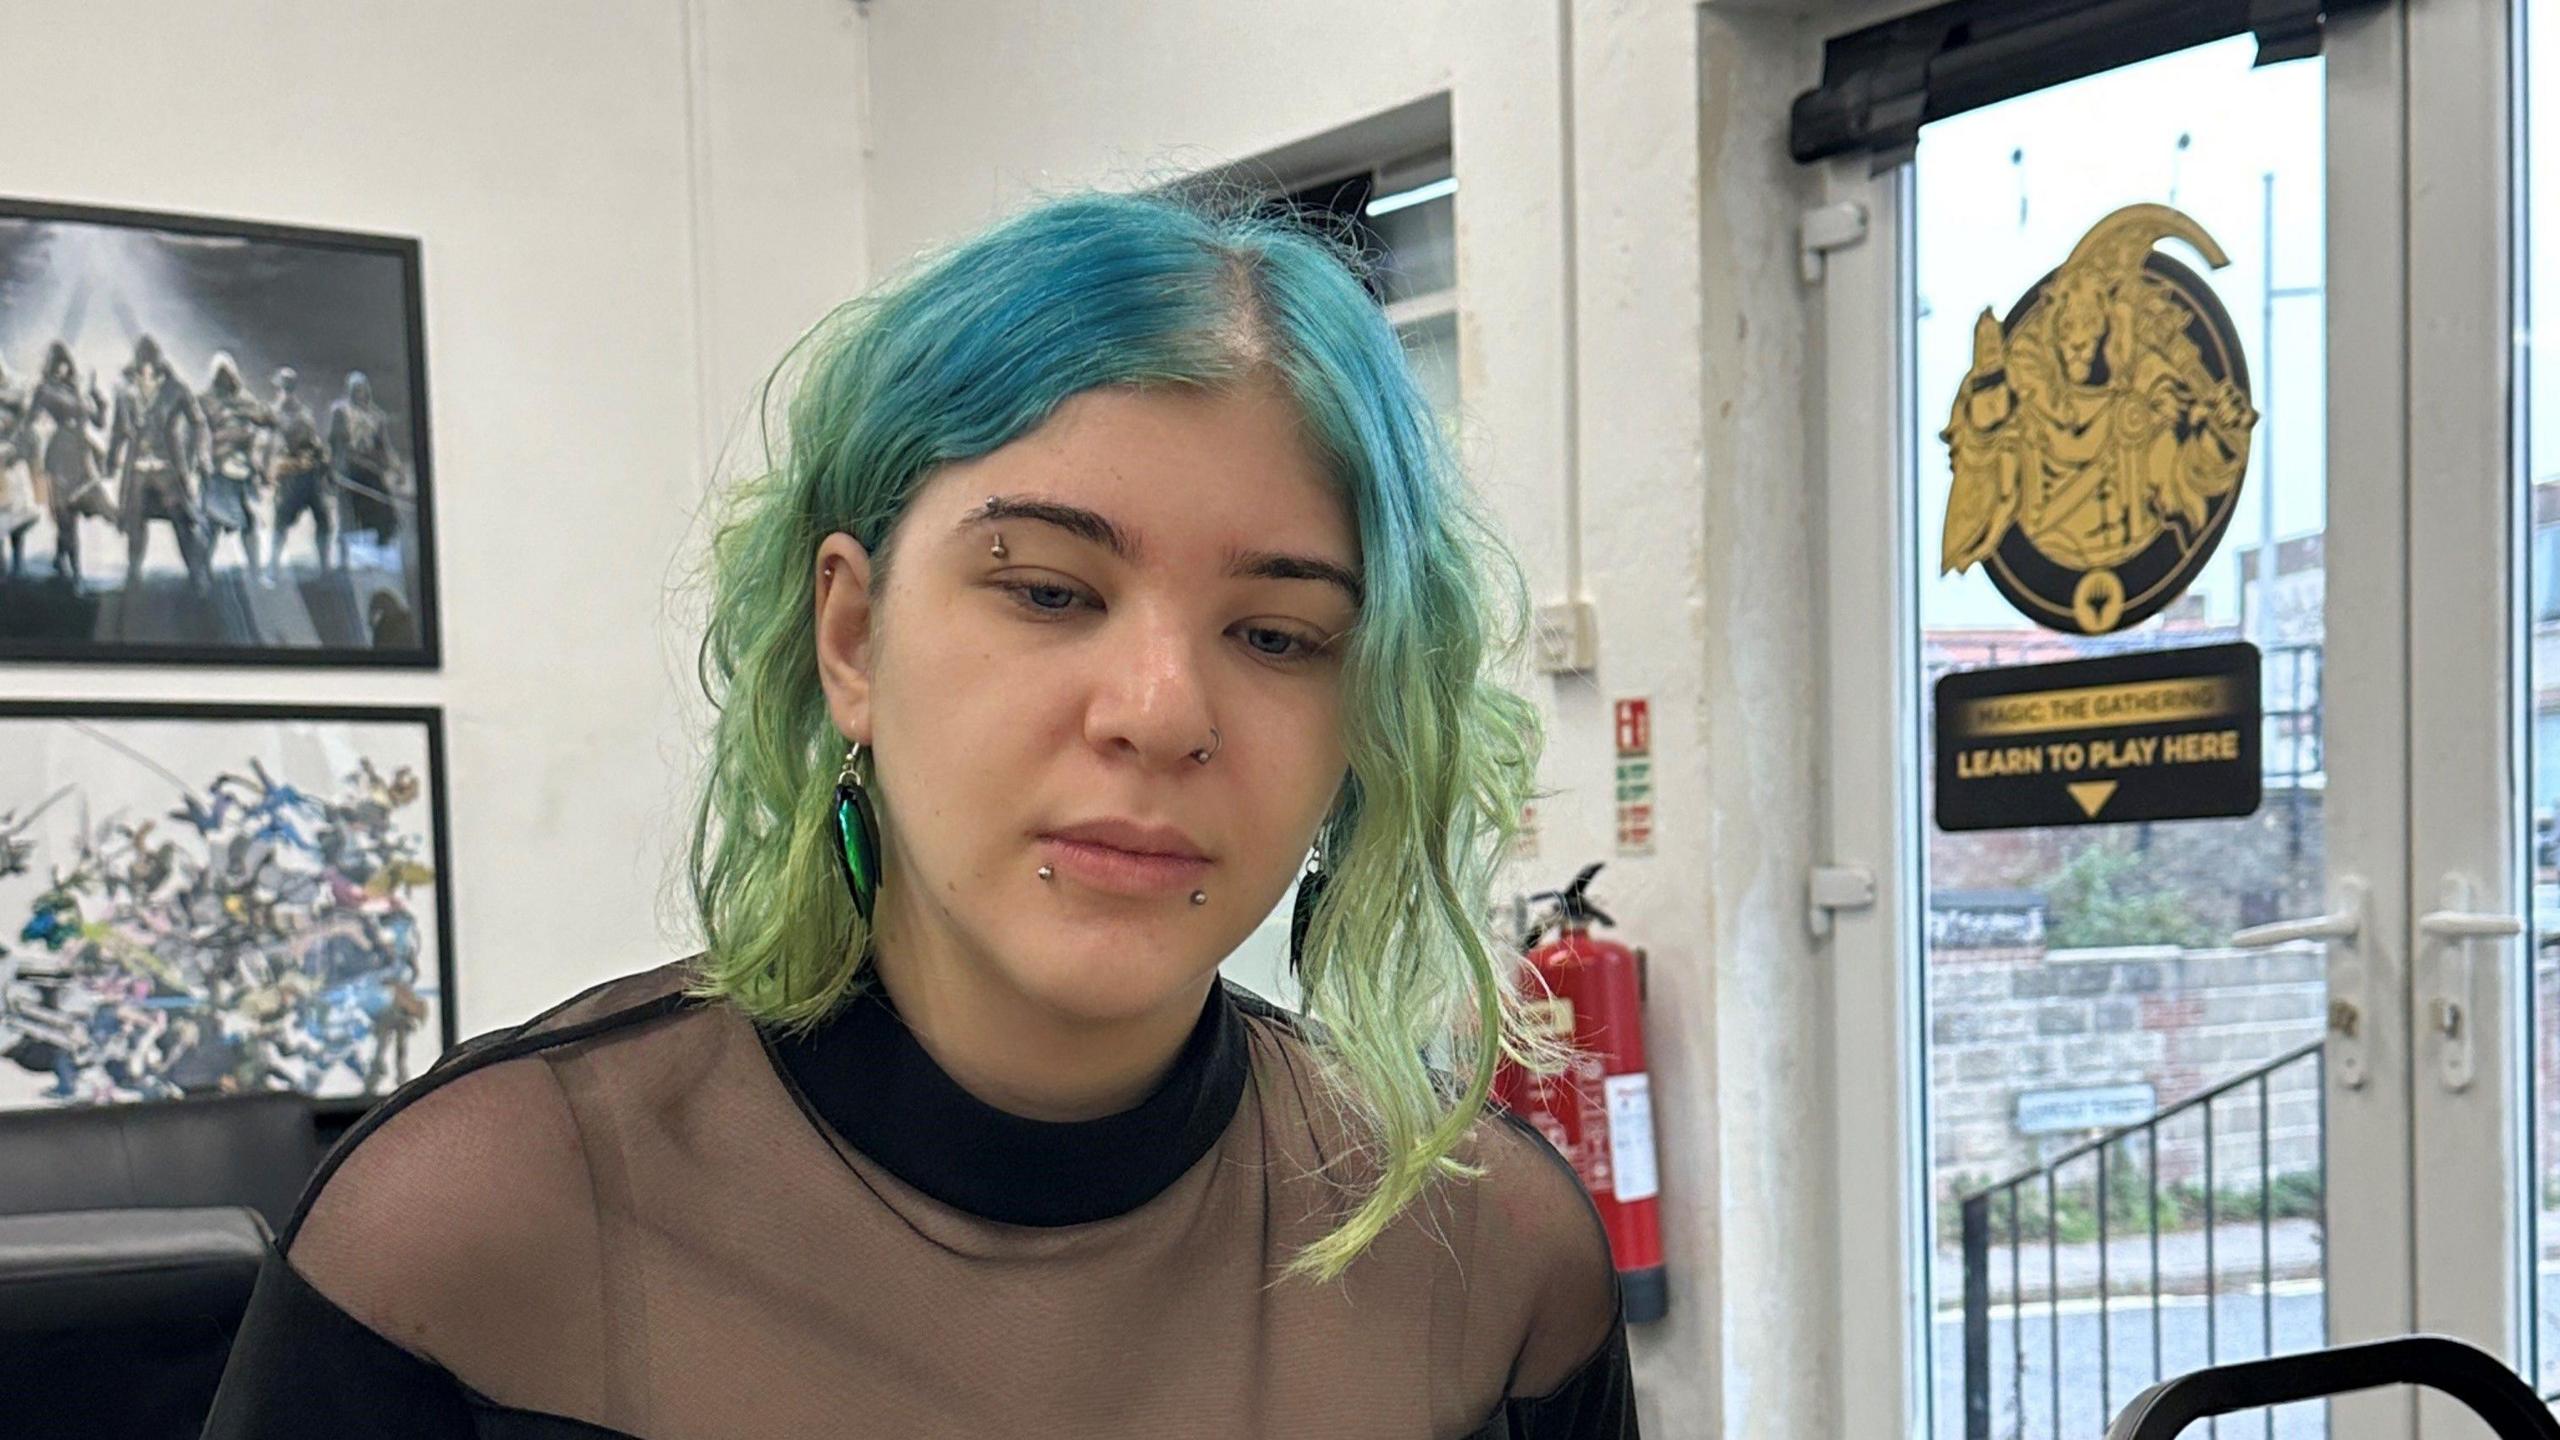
{"points": [[2011, 1018]]}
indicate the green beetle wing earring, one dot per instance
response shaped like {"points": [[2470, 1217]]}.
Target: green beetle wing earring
{"points": [[857, 835]]}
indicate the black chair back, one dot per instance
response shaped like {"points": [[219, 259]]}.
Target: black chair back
{"points": [[254, 1150], [117, 1322], [2432, 1362]]}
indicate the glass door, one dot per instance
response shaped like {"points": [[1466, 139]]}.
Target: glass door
{"points": [[2132, 1100], [2190, 371], [2526, 980]]}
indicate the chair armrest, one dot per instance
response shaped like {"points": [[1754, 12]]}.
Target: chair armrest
{"points": [[89, 1269]]}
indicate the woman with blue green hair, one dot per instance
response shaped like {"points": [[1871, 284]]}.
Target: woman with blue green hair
{"points": [[1109, 577]]}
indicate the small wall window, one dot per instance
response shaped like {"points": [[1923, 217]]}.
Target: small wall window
{"points": [[1404, 213]]}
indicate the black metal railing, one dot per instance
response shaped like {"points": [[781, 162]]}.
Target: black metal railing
{"points": [[2129, 1203]]}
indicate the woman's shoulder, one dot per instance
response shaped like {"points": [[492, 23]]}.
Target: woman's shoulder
{"points": [[1538, 1200], [1543, 1203], [1526, 1235], [1537, 1230], [494, 1097], [616, 1004], [468, 1191]]}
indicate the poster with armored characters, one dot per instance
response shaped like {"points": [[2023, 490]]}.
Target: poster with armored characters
{"points": [[202, 900], [213, 442]]}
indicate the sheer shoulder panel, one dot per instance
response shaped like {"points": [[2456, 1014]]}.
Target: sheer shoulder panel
{"points": [[1532, 1329], [463, 1228], [459, 1220], [621, 1001], [1540, 1240], [302, 1369]]}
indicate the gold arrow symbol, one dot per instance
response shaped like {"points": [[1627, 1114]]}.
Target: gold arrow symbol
{"points": [[2093, 795]]}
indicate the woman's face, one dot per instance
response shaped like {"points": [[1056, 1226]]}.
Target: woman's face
{"points": [[1069, 682]]}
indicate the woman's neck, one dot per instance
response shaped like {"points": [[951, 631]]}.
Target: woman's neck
{"points": [[1018, 1054]]}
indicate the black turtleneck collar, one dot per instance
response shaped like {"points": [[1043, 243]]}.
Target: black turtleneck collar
{"points": [[866, 1075]]}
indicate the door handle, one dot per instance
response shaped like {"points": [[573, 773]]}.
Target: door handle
{"points": [[2344, 931], [2344, 923], [2454, 928]]}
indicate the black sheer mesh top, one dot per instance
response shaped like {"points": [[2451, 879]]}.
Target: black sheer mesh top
{"points": [[644, 1215]]}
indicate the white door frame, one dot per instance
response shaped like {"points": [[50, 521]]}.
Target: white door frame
{"points": [[2365, 685], [2466, 671], [2375, 226], [1871, 810]]}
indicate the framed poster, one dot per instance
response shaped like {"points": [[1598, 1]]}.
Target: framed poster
{"points": [[208, 899], [213, 442]]}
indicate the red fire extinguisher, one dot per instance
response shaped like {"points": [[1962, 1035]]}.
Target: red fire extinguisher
{"points": [[1589, 990]]}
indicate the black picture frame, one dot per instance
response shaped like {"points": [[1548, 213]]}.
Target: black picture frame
{"points": [[98, 278], [283, 986]]}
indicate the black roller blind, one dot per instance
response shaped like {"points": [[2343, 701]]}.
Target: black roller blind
{"points": [[1882, 83]]}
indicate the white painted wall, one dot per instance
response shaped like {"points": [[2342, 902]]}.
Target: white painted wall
{"points": [[628, 211], [1657, 286], [625, 211]]}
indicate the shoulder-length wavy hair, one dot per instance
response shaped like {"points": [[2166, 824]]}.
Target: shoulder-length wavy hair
{"points": [[974, 347]]}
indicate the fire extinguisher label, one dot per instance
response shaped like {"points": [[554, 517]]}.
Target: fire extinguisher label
{"points": [[1631, 1136]]}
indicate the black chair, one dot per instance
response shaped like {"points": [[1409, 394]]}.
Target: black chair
{"points": [[2432, 1362], [130, 1237], [117, 1322], [253, 1150]]}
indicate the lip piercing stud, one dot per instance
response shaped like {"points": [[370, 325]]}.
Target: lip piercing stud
{"points": [[1198, 897]]}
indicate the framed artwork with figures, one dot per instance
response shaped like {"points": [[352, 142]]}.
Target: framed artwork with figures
{"points": [[204, 900], [213, 442]]}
